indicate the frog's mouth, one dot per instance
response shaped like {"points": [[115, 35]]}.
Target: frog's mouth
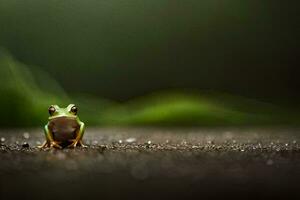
{"points": [[62, 117]]}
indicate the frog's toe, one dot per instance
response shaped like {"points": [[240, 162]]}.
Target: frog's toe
{"points": [[44, 145], [81, 144], [55, 145], [73, 144]]}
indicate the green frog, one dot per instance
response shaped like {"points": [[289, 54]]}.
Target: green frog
{"points": [[64, 129]]}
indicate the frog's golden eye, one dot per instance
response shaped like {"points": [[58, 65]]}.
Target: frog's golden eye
{"points": [[51, 110], [74, 110]]}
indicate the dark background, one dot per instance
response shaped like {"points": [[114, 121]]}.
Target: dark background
{"points": [[122, 49]]}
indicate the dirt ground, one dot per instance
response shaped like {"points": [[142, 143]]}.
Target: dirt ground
{"points": [[154, 163]]}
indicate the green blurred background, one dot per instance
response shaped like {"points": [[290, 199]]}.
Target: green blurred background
{"points": [[158, 62]]}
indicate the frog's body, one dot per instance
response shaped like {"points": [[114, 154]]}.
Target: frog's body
{"points": [[64, 129]]}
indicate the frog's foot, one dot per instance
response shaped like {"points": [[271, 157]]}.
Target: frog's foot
{"points": [[73, 144], [81, 144], [76, 143], [48, 144], [54, 144], [44, 145]]}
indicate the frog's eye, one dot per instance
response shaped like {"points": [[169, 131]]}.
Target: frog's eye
{"points": [[51, 110], [74, 110]]}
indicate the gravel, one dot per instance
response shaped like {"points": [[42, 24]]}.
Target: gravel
{"points": [[153, 163]]}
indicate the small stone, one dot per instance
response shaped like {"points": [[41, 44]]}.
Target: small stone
{"points": [[149, 142], [95, 142], [130, 140], [25, 145], [259, 145], [183, 142], [26, 135], [2, 139], [120, 141], [294, 141]]}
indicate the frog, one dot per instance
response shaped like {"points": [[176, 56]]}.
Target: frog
{"points": [[64, 128]]}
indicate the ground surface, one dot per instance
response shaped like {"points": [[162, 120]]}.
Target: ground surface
{"points": [[154, 164]]}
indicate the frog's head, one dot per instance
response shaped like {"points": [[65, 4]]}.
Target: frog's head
{"points": [[55, 111]]}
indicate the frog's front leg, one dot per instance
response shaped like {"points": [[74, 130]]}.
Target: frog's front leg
{"points": [[78, 140], [49, 139]]}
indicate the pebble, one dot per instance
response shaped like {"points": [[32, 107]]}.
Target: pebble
{"points": [[95, 142], [2, 139], [130, 140], [26, 135], [25, 145]]}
